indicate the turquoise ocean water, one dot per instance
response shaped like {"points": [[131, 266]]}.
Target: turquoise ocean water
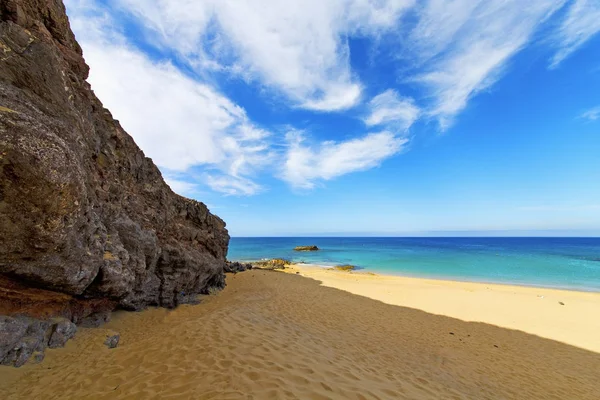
{"points": [[568, 263]]}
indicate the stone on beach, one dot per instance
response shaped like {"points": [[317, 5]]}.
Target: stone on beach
{"points": [[62, 330], [112, 340]]}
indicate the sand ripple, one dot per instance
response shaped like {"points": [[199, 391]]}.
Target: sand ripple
{"points": [[271, 335]]}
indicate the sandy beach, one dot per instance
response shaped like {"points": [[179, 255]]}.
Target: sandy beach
{"points": [[273, 335], [533, 310]]}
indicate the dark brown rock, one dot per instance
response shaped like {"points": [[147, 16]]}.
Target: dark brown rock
{"points": [[272, 264], [95, 320], [82, 211], [19, 299], [235, 267], [87, 222]]}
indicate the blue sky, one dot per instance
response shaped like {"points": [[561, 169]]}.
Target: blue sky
{"points": [[361, 117]]}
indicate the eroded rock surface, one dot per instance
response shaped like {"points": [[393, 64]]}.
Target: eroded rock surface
{"points": [[22, 338], [87, 222], [235, 267]]}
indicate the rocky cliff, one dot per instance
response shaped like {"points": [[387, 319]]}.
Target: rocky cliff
{"points": [[86, 221]]}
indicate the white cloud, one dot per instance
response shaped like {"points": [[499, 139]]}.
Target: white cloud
{"points": [[464, 45], [305, 165], [233, 185], [297, 46], [179, 122], [580, 24], [592, 114], [448, 51], [388, 108], [181, 187]]}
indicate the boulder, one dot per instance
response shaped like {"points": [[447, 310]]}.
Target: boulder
{"points": [[235, 267], [22, 338], [275, 263], [62, 330], [112, 340]]}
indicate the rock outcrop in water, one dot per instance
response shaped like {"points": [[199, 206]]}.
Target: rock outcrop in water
{"points": [[87, 222], [306, 248]]}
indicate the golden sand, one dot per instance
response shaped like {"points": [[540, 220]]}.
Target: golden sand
{"points": [[272, 335], [533, 310]]}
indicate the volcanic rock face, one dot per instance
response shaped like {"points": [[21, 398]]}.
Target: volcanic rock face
{"points": [[83, 213], [22, 338]]}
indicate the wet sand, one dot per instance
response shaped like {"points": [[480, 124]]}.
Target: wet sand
{"points": [[272, 335]]}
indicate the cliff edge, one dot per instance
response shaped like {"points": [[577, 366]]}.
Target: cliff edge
{"points": [[87, 222]]}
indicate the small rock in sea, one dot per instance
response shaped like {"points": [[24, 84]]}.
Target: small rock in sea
{"points": [[561, 303], [306, 248], [112, 340]]}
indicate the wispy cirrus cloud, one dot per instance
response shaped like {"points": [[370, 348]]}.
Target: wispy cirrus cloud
{"points": [[390, 109], [179, 122], [297, 47], [298, 54], [306, 165], [183, 123], [465, 45], [592, 114], [581, 23]]}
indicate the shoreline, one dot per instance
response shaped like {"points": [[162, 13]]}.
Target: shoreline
{"points": [[534, 310], [365, 271], [439, 278]]}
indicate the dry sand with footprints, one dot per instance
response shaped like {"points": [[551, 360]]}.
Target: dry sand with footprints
{"points": [[273, 335]]}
